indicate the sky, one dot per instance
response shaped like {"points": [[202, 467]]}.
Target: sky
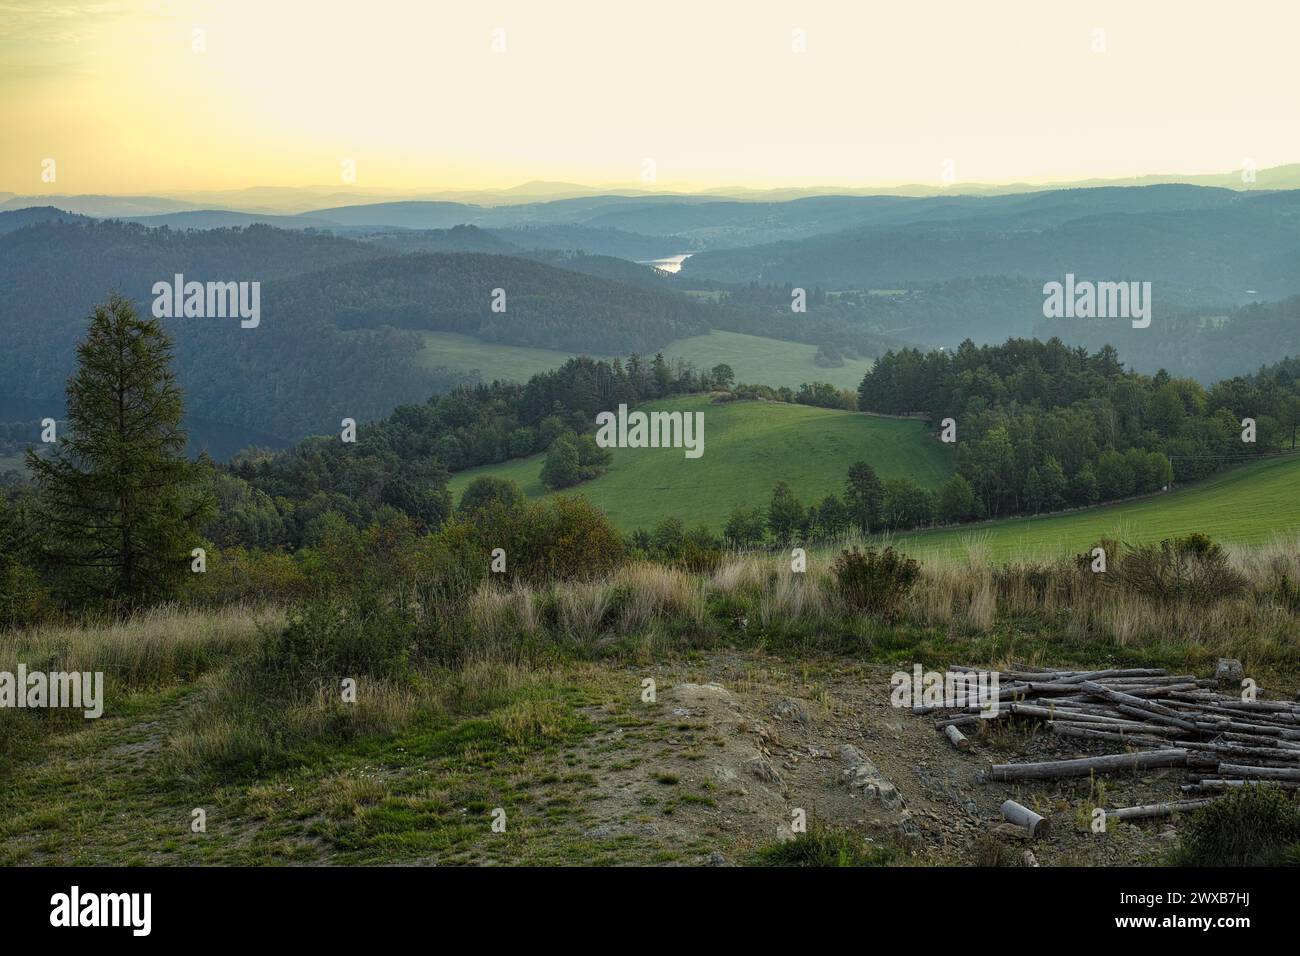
{"points": [[147, 96]]}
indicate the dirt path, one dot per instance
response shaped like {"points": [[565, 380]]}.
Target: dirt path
{"points": [[733, 747]]}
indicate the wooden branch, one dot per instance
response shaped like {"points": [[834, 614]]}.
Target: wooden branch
{"points": [[1084, 766], [1157, 809]]}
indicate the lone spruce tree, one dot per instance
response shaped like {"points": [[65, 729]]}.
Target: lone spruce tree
{"points": [[120, 507]]}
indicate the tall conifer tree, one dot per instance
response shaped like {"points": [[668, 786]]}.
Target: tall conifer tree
{"points": [[120, 507]]}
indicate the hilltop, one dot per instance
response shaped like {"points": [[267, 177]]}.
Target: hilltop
{"points": [[749, 446]]}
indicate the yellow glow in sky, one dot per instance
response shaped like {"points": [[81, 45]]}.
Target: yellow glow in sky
{"points": [[144, 97]]}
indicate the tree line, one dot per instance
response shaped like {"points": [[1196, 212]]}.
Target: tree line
{"points": [[1041, 425]]}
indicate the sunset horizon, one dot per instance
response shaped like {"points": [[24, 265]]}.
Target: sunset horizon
{"points": [[137, 97]]}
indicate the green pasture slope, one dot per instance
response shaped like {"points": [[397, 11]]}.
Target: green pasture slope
{"points": [[748, 448], [754, 359], [1250, 504], [762, 361]]}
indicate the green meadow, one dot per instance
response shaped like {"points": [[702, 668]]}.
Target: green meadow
{"points": [[748, 447], [1250, 504], [754, 359]]}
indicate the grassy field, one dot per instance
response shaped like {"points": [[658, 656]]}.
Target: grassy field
{"points": [[509, 362], [542, 720], [754, 359], [763, 361], [748, 447], [1251, 504]]}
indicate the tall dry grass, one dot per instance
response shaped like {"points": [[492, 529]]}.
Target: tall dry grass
{"points": [[148, 649]]}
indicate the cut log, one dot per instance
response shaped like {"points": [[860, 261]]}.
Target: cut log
{"points": [[1022, 816], [1083, 766], [962, 721], [1212, 785], [1259, 773], [1157, 809], [1111, 736], [1123, 700], [1180, 722], [957, 737]]}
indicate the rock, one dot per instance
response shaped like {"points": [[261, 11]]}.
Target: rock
{"points": [[763, 770], [1010, 831], [1229, 672], [851, 755], [715, 859], [861, 776], [788, 709]]}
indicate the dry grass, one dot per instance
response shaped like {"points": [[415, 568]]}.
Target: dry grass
{"points": [[149, 649]]}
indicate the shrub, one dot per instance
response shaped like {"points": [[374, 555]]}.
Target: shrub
{"points": [[1191, 568], [824, 847], [327, 639], [559, 539], [23, 599], [1252, 826], [875, 582]]}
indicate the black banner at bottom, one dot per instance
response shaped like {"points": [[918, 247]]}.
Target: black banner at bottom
{"points": [[338, 904]]}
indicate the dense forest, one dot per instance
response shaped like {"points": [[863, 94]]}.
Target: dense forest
{"points": [[1041, 426], [402, 462], [542, 306], [346, 311]]}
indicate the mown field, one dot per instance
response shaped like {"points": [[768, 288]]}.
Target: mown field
{"points": [[755, 359], [762, 361], [1251, 504], [748, 447]]}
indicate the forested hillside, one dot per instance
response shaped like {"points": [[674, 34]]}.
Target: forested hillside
{"points": [[1246, 241], [1042, 426], [337, 334], [1203, 344], [542, 306]]}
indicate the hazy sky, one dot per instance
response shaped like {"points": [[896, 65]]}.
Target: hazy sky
{"points": [[712, 91]]}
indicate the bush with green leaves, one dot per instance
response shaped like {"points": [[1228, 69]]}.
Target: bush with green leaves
{"points": [[824, 847], [875, 582], [745, 528], [1250, 826], [557, 539], [488, 490], [329, 639]]}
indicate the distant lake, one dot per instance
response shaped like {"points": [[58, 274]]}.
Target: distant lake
{"points": [[668, 263]]}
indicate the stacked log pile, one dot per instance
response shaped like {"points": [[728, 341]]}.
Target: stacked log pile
{"points": [[1153, 720]]}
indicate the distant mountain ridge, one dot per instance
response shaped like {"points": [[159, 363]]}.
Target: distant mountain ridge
{"points": [[296, 199]]}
